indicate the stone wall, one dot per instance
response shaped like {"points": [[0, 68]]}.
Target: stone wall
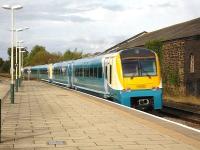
{"points": [[173, 67]]}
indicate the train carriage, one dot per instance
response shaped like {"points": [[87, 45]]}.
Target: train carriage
{"points": [[40, 72], [88, 75], [26, 72], [34, 72], [129, 77], [62, 73]]}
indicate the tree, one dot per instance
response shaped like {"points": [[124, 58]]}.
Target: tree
{"points": [[40, 58], [36, 49], [33, 57], [6, 66], [72, 55], [1, 62], [25, 54], [55, 57]]}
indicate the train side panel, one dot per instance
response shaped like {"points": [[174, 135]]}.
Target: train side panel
{"points": [[88, 75], [62, 73]]}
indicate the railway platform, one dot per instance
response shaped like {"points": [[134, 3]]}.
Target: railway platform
{"points": [[48, 117], [4, 87]]}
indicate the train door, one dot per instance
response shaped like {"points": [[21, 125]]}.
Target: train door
{"points": [[72, 74], [50, 72], [69, 73], [107, 75]]}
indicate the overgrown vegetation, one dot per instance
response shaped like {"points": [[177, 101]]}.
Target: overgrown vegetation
{"points": [[170, 77], [156, 46], [173, 78]]}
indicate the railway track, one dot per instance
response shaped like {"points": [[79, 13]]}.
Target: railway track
{"points": [[189, 118], [183, 114]]}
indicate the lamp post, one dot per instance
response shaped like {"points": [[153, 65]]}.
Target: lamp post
{"points": [[20, 61], [16, 59], [16, 63], [12, 8]]}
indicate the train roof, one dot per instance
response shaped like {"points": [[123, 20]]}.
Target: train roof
{"points": [[62, 63], [88, 61], [39, 67]]}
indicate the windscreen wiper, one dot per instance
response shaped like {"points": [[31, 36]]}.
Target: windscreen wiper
{"points": [[133, 76], [146, 73]]}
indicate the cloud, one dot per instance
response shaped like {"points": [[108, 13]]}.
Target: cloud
{"points": [[74, 18], [162, 5], [91, 25], [55, 17], [166, 5], [62, 10], [113, 7]]}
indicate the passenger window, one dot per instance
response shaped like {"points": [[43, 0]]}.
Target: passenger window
{"points": [[81, 72], [191, 63], [91, 72], [87, 72], [100, 72], [78, 72], [95, 72], [75, 72]]}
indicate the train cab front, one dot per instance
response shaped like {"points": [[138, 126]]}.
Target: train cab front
{"points": [[142, 85]]}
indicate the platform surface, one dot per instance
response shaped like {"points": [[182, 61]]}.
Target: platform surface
{"points": [[4, 86], [48, 117]]}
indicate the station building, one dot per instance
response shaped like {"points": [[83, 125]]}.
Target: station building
{"points": [[180, 52]]}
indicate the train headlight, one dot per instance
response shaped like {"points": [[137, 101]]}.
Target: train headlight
{"points": [[127, 90], [155, 88]]}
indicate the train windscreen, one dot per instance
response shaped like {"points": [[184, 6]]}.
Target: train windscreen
{"points": [[138, 62], [139, 67]]}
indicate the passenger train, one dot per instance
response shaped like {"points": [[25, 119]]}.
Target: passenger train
{"points": [[130, 77]]}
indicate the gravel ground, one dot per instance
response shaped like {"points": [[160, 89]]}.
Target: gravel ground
{"points": [[196, 126]]}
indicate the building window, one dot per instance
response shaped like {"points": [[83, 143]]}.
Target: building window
{"points": [[191, 63]]}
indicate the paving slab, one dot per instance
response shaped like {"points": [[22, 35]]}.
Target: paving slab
{"points": [[4, 87], [44, 115]]}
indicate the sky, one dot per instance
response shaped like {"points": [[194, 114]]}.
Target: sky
{"points": [[89, 25]]}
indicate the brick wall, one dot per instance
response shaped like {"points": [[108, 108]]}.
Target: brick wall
{"points": [[173, 67]]}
